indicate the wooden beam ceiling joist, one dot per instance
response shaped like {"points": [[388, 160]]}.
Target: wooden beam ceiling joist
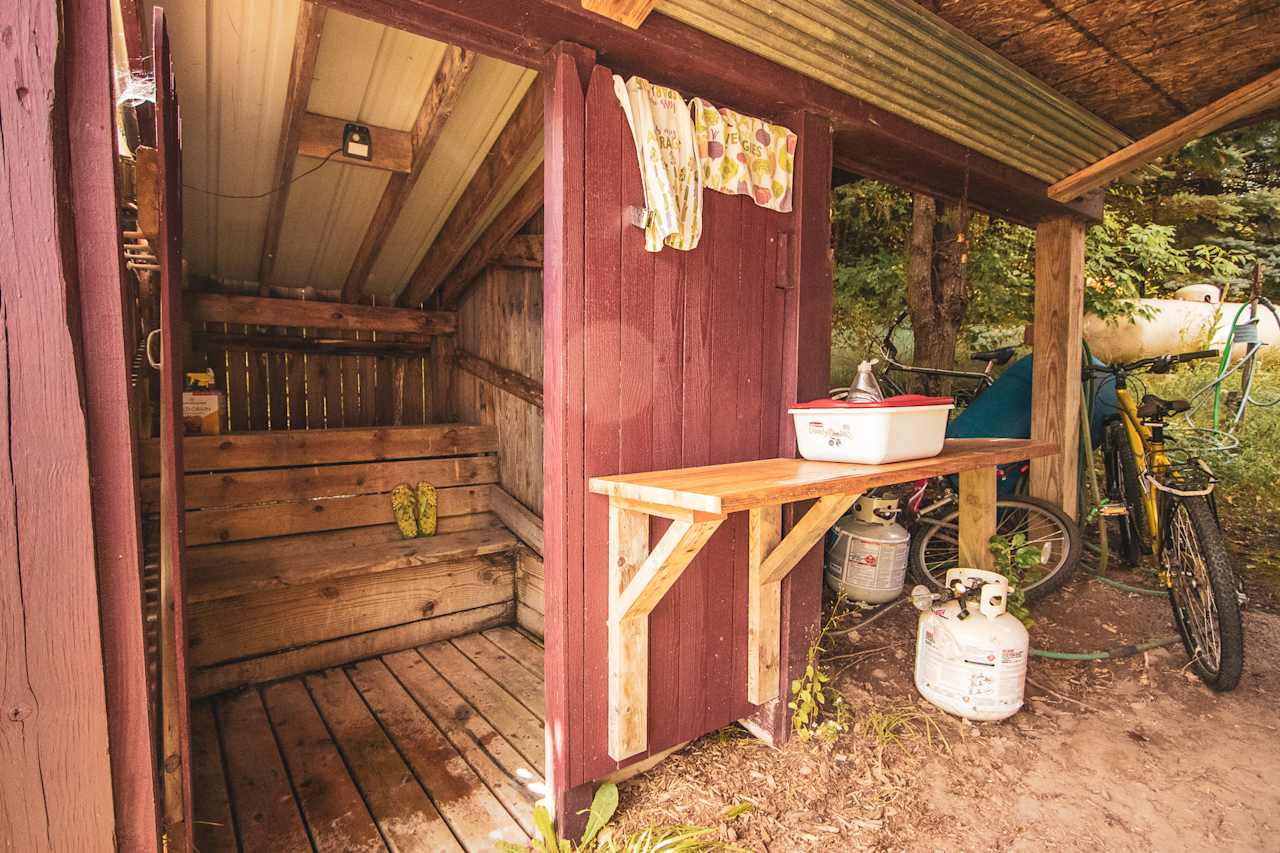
{"points": [[522, 250], [437, 105], [205, 341], [728, 74], [490, 181], [1254, 99], [630, 13], [263, 311], [306, 46], [320, 136], [497, 235]]}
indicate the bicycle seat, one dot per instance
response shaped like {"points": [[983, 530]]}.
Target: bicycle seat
{"points": [[999, 356], [1158, 407]]}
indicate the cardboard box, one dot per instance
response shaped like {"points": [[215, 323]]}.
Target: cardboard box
{"points": [[202, 412]]}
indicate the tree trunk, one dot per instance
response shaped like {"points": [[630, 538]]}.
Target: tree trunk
{"points": [[937, 282]]}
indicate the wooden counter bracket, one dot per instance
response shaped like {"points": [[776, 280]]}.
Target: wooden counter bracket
{"points": [[698, 500]]}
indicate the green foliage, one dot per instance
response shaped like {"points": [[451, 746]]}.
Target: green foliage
{"points": [[900, 725], [817, 711], [1250, 472], [1203, 214], [598, 839], [1020, 564]]}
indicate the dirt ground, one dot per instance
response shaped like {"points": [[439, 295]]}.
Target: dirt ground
{"points": [[1123, 755]]}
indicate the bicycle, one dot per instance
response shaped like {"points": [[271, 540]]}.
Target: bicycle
{"points": [[892, 376], [935, 537], [1163, 496], [932, 510]]}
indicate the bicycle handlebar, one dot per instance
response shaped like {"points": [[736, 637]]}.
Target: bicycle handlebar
{"points": [[1158, 364]]}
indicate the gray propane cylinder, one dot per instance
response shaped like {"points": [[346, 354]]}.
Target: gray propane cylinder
{"points": [[867, 554]]}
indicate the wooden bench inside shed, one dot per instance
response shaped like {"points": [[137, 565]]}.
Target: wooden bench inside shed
{"points": [[294, 561]]}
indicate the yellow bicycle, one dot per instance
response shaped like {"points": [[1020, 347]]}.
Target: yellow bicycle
{"points": [[1164, 499]]}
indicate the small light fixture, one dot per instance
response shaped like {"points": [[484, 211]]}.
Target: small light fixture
{"points": [[357, 142]]}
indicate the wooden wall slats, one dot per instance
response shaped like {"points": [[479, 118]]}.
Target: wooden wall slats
{"points": [[288, 484], [237, 389], [240, 627], [501, 323], [683, 364], [258, 374], [286, 519], [564, 290], [285, 449], [314, 388]]}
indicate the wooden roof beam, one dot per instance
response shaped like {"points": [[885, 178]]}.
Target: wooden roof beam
{"points": [[320, 136], [1257, 97], [493, 177], [630, 13], [306, 46], [264, 311], [494, 239], [437, 106], [729, 75]]}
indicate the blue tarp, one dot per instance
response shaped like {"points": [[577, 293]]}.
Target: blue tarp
{"points": [[1004, 411]]}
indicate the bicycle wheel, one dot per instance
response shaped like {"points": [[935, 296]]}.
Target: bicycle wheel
{"points": [[1125, 487], [935, 543], [1202, 591]]}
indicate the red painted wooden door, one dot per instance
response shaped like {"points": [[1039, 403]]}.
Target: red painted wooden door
{"points": [[174, 715], [654, 361]]}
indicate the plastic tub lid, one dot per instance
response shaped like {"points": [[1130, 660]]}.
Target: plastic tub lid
{"points": [[900, 401]]}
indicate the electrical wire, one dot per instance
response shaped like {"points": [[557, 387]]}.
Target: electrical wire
{"points": [[287, 183]]}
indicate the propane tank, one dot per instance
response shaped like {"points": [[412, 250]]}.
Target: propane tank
{"points": [[971, 656], [867, 554]]}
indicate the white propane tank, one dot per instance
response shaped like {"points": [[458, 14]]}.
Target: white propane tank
{"points": [[867, 557], [970, 661]]}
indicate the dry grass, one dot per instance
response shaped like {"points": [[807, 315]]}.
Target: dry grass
{"points": [[855, 794]]}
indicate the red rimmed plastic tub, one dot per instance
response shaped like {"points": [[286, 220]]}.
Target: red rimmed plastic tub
{"points": [[909, 426]]}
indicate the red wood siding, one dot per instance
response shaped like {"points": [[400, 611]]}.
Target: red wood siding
{"points": [[173, 541], [683, 362], [56, 788], [112, 458], [562, 442]]}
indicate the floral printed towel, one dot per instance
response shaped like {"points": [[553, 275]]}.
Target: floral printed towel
{"points": [[741, 155], [665, 148]]}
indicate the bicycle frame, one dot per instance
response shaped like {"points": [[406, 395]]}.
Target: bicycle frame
{"points": [[1147, 454]]}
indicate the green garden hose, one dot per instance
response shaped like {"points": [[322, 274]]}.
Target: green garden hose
{"points": [[1124, 651], [1223, 361]]}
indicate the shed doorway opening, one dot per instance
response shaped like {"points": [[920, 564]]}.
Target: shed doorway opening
{"points": [[349, 325]]}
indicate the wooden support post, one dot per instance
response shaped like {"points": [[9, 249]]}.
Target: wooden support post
{"points": [[768, 566], [1055, 396], [764, 606], [629, 638], [977, 517], [638, 579]]}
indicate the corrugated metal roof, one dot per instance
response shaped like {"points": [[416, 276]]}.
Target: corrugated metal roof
{"points": [[232, 60], [898, 56]]}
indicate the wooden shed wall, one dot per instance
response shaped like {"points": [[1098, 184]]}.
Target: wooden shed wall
{"points": [[665, 360], [501, 322], [292, 390]]}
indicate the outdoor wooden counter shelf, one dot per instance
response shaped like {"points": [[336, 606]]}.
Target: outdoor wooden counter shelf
{"points": [[697, 500]]}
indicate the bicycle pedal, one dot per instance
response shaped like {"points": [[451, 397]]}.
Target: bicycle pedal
{"points": [[1113, 510]]}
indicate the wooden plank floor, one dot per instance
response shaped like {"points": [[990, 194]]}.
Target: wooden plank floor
{"points": [[437, 748]]}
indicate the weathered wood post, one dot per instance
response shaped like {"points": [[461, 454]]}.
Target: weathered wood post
{"points": [[1058, 347]]}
